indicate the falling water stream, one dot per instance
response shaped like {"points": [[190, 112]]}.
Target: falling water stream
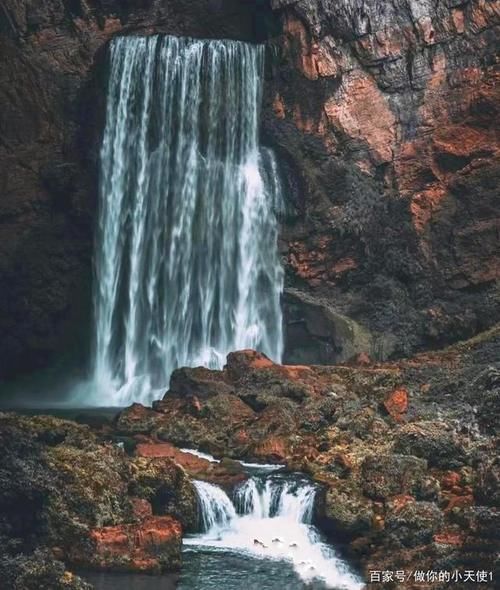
{"points": [[269, 520], [186, 263]]}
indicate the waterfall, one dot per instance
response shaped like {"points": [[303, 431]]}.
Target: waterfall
{"points": [[186, 263], [269, 497], [271, 519], [216, 509]]}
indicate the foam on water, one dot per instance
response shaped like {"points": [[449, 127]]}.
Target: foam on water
{"points": [[272, 521]]}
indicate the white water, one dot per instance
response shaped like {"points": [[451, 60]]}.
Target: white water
{"points": [[201, 455], [216, 509], [186, 264], [270, 519], [212, 459]]}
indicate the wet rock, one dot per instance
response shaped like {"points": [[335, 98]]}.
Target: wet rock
{"points": [[389, 475], [166, 487], [136, 419], [434, 441], [345, 512]]}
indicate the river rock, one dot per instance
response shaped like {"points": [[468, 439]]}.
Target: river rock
{"points": [[64, 491]]}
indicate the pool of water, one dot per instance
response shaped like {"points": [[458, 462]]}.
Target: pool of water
{"points": [[211, 569]]}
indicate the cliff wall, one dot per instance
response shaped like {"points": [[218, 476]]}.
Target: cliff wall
{"points": [[383, 114], [386, 113]]}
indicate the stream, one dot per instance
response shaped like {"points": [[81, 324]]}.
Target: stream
{"points": [[261, 537]]}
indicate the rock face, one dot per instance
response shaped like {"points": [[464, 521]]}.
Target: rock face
{"points": [[52, 92], [383, 112]]}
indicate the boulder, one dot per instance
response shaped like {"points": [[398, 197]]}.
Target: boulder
{"points": [[345, 512], [136, 419], [384, 476], [431, 440], [199, 382], [166, 486], [413, 523]]}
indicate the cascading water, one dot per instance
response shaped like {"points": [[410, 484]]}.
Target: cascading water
{"points": [[216, 509], [271, 519], [187, 266]]}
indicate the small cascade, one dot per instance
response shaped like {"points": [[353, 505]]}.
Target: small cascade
{"points": [[274, 496], [271, 519], [216, 509]]}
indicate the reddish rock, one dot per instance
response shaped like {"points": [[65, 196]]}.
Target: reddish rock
{"points": [[361, 112], [396, 403], [197, 467], [450, 479], [239, 363], [449, 538], [459, 502], [141, 508], [273, 449], [409, 166], [145, 547]]}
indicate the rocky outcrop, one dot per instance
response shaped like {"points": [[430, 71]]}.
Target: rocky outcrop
{"points": [[86, 503], [382, 111], [402, 488]]}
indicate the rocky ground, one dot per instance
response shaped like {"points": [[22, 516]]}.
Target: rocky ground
{"points": [[406, 455]]}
